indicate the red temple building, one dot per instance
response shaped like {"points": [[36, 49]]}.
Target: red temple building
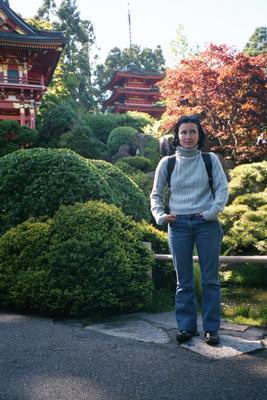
{"points": [[135, 90], [28, 58]]}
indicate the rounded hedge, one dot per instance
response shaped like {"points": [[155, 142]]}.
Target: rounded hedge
{"points": [[125, 192], [119, 136], [137, 162], [36, 182], [248, 178], [102, 124], [89, 257], [252, 200], [247, 235]]}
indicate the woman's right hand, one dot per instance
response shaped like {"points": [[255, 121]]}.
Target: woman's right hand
{"points": [[169, 218]]}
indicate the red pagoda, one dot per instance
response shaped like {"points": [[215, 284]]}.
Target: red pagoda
{"points": [[28, 58], [135, 90]]}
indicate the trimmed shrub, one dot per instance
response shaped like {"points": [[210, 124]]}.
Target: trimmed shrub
{"points": [[83, 141], [248, 178], [151, 151], [89, 257], [14, 137], [252, 200], [138, 162], [247, 275], [119, 136], [55, 120], [103, 124], [247, 235], [232, 214], [36, 182], [125, 193]]}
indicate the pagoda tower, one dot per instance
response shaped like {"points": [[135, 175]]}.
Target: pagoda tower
{"points": [[135, 90], [28, 58]]}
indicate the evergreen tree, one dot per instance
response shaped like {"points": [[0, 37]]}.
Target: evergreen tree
{"points": [[257, 43], [76, 56], [47, 8], [117, 59], [72, 77]]}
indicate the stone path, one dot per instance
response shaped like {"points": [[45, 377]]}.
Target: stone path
{"points": [[159, 328]]}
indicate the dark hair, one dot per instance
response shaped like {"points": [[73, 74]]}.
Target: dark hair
{"points": [[183, 120]]}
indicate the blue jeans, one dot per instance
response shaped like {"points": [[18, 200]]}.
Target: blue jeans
{"points": [[183, 233]]}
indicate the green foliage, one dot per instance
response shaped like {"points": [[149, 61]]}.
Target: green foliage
{"points": [[56, 118], [125, 193], [103, 124], [151, 151], [247, 275], [36, 182], [119, 136], [117, 59], [232, 214], [13, 137], [248, 178], [83, 141], [252, 200], [163, 272], [248, 234], [137, 162], [257, 43], [143, 180], [89, 257]]}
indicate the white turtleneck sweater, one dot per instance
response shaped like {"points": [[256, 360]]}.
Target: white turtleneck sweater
{"points": [[190, 191]]}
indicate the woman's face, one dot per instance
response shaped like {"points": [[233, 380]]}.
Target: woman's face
{"points": [[188, 135]]}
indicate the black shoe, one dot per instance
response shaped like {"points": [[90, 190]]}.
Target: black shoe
{"points": [[184, 336], [212, 338]]}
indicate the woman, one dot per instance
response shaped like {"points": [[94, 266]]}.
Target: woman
{"points": [[193, 220]]}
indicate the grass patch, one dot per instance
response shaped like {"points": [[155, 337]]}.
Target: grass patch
{"points": [[245, 306]]}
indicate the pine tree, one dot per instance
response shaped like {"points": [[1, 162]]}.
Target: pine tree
{"points": [[257, 43]]}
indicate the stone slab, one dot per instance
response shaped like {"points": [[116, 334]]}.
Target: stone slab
{"points": [[233, 327], [230, 346], [138, 330]]}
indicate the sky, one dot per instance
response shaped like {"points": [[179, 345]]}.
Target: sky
{"points": [[154, 22]]}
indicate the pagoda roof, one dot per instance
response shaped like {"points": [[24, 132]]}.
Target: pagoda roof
{"points": [[154, 92], [133, 73], [153, 110], [19, 32]]}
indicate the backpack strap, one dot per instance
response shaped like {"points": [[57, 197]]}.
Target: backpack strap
{"points": [[170, 168], [208, 164]]}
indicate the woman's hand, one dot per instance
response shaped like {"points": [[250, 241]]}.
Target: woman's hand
{"points": [[169, 218]]}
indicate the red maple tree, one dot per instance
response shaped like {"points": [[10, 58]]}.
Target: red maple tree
{"points": [[227, 89]]}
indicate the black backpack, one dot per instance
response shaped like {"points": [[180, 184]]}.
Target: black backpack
{"points": [[208, 164]]}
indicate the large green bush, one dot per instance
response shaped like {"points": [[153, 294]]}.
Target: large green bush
{"points": [[103, 124], [14, 137], [119, 136], [126, 194], [247, 235], [89, 257], [83, 141], [137, 162], [36, 182], [252, 200], [55, 119], [248, 178]]}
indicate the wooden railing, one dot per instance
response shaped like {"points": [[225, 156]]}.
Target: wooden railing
{"points": [[223, 259], [20, 81]]}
